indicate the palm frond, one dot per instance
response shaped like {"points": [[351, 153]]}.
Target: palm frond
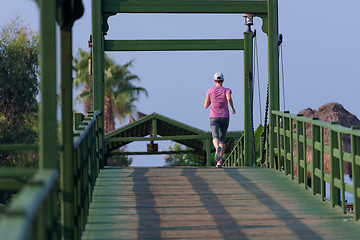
{"points": [[118, 83]]}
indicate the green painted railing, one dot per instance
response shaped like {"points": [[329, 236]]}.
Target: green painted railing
{"points": [[34, 211], [313, 152], [236, 157], [87, 161], [13, 179]]}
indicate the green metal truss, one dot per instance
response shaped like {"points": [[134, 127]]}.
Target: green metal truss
{"points": [[34, 207], [266, 10], [156, 127]]}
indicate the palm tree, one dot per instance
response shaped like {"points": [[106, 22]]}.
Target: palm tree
{"points": [[83, 79], [120, 92]]}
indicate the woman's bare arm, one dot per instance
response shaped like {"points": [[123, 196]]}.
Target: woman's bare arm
{"points": [[207, 101], [229, 99]]}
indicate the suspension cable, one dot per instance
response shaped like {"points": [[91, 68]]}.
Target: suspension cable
{"points": [[282, 70], [256, 70], [264, 133], [250, 84]]}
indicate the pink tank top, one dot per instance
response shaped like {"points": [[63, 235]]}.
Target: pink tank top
{"points": [[219, 104]]}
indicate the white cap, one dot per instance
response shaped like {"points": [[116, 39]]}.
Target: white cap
{"points": [[218, 76]]}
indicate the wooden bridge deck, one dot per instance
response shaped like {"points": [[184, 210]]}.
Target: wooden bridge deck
{"points": [[209, 203]]}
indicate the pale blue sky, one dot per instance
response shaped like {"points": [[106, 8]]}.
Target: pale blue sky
{"points": [[321, 57]]}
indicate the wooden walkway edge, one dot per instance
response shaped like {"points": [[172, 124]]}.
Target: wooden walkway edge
{"points": [[209, 203]]}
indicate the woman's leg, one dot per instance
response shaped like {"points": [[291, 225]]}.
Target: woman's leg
{"points": [[215, 130], [224, 124], [216, 142], [214, 125], [222, 145]]}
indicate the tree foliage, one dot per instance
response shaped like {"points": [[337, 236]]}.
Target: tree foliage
{"points": [[180, 159], [19, 55], [120, 161], [19, 86], [120, 92]]}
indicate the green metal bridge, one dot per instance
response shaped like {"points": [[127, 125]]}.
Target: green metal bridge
{"points": [[294, 194]]}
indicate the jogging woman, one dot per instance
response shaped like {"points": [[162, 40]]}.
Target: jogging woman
{"points": [[219, 97]]}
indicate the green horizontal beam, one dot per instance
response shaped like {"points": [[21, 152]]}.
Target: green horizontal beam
{"points": [[153, 153], [174, 45], [164, 138], [13, 179], [234, 134], [175, 6], [11, 184], [17, 172], [16, 147], [354, 130]]}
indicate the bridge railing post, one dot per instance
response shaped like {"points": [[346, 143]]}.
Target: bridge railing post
{"points": [[287, 143], [334, 167], [319, 161], [303, 162], [299, 150], [315, 156], [278, 143], [84, 168], [355, 157], [208, 150]]}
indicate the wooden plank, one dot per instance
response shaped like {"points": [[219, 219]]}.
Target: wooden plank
{"points": [[209, 203]]}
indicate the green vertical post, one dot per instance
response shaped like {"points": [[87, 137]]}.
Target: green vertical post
{"points": [[238, 157], [242, 155], [54, 210], [41, 223], [315, 156], [355, 152], [341, 170], [299, 150], [66, 164], [287, 143], [291, 148], [208, 149], [234, 156], [78, 118], [48, 122], [334, 168], [322, 178], [248, 73], [98, 71], [279, 161], [154, 127], [273, 61], [304, 152]]}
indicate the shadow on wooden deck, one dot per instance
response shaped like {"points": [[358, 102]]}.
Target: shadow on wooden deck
{"points": [[209, 203]]}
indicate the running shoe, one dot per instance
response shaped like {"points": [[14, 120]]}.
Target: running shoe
{"points": [[217, 154], [219, 164]]}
